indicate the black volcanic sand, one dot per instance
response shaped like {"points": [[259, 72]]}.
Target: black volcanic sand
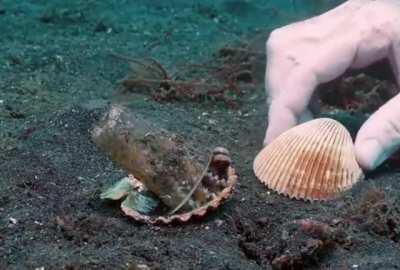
{"points": [[56, 79]]}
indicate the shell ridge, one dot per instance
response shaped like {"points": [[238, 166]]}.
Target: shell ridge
{"points": [[263, 161], [350, 164], [276, 170], [343, 177], [333, 165], [273, 180], [310, 154], [312, 161], [313, 145], [291, 187], [325, 141], [289, 171], [265, 158]]}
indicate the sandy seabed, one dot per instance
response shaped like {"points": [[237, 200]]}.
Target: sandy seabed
{"points": [[56, 79]]}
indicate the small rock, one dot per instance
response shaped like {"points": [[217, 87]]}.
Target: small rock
{"points": [[101, 27], [287, 262], [219, 222], [263, 221], [142, 267], [12, 221], [285, 235]]}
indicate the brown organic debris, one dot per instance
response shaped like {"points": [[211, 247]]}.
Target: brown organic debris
{"points": [[297, 244], [377, 213], [361, 93], [224, 81]]}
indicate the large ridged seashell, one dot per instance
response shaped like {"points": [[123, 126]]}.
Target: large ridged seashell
{"points": [[312, 161]]}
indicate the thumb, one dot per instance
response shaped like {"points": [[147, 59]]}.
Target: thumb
{"points": [[379, 137]]}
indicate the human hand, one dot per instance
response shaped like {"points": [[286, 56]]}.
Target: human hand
{"points": [[303, 55]]}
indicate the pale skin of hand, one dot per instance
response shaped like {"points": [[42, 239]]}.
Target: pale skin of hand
{"points": [[302, 55]]}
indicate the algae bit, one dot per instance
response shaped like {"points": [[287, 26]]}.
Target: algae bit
{"points": [[169, 181]]}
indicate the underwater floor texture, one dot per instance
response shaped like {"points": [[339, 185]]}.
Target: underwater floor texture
{"points": [[61, 66]]}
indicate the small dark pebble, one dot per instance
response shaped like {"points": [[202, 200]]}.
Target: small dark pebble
{"points": [[17, 115], [4, 200], [14, 113], [27, 133], [287, 262], [101, 27], [245, 76], [250, 249], [46, 18], [263, 221], [312, 248]]}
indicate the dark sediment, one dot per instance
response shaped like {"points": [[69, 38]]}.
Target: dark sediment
{"points": [[56, 79]]}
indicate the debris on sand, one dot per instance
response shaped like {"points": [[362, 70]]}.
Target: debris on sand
{"points": [[377, 213], [351, 99], [299, 245], [230, 77], [357, 94]]}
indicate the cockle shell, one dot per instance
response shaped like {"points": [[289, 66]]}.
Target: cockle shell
{"points": [[197, 213], [312, 161]]}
